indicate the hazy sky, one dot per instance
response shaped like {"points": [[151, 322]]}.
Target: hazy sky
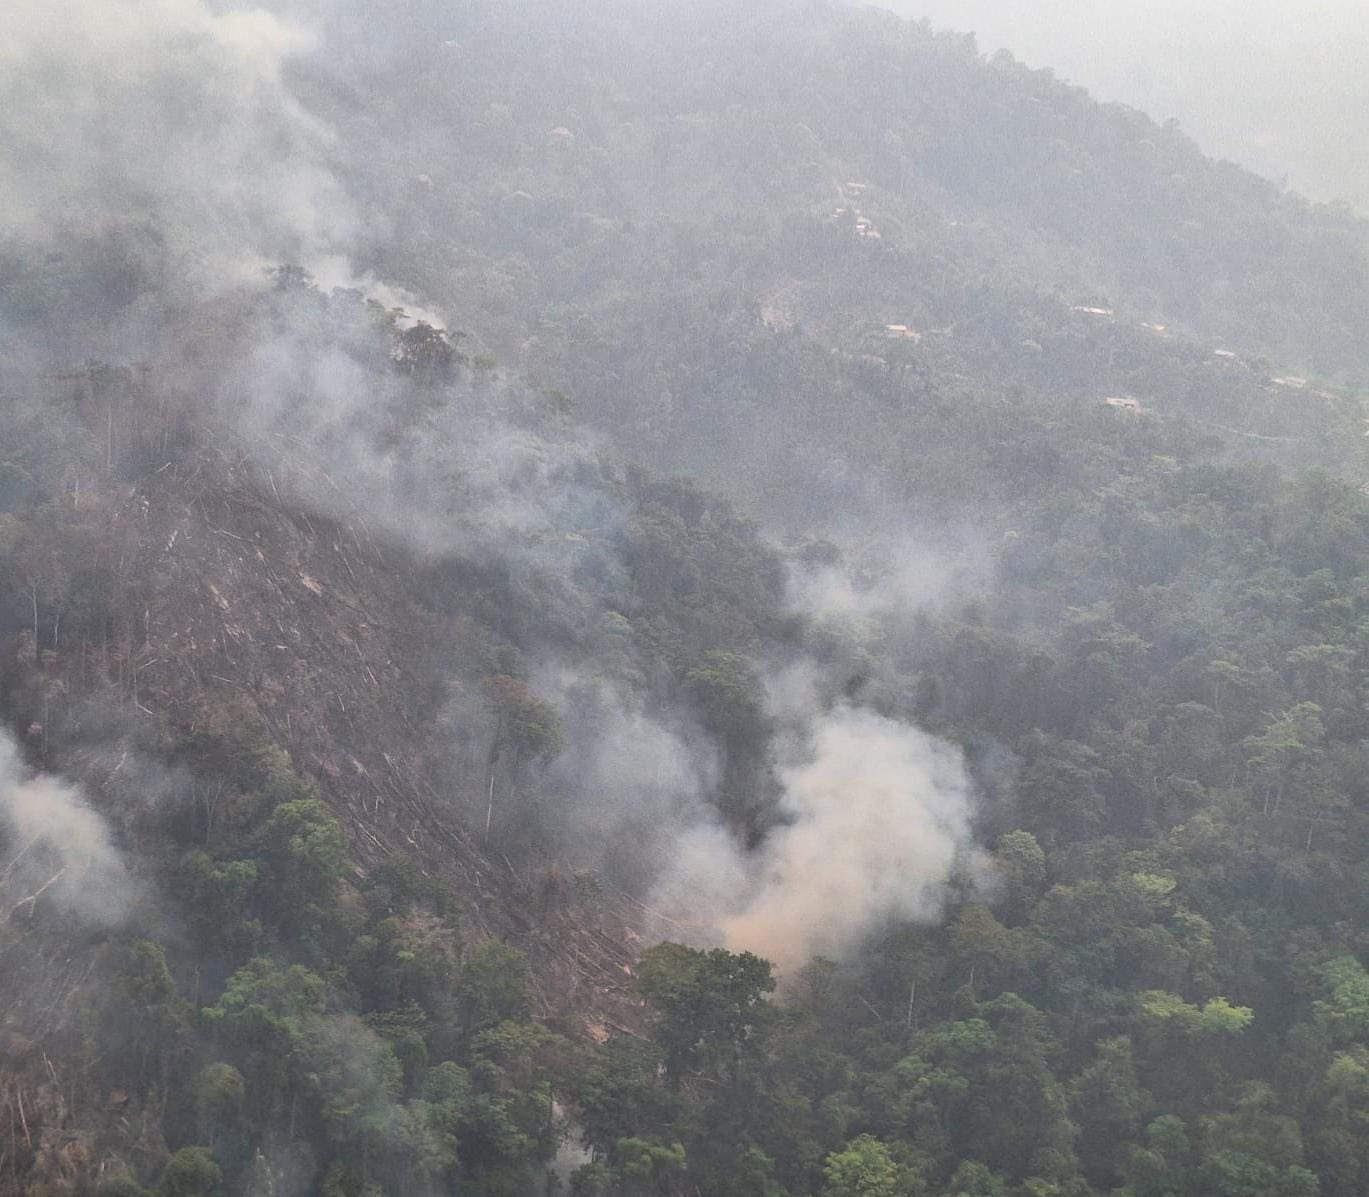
{"points": [[1281, 86]]}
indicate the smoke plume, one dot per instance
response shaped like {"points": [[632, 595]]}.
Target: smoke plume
{"points": [[879, 819], [633, 781], [166, 111], [57, 847], [182, 114]]}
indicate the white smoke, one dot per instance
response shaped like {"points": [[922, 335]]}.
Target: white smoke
{"points": [[879, 820], [180, 113], [57, 847], [170, 112], [445, 480], [889, 576], [635, 781], [879, 813]]}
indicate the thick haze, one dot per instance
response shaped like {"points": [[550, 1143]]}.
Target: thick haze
{"points": [[991, 657], [56, 845], [1278, 87], [184, 114]]}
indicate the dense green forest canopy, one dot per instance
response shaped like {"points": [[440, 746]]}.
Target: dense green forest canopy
{"points": [[666, 599]]}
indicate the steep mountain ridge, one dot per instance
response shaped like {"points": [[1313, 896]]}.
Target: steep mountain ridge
{"points": [[379, 707], [679, 253], [232, 612], [585, 155]]}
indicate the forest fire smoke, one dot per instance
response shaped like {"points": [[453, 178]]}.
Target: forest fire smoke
{"points": [[58, 847], [881, 819], [878, 820]]}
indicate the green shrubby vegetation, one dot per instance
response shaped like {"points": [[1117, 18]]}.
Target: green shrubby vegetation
{"points": [[1157, 987]]}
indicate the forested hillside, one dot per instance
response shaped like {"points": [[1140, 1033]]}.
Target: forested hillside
{"points": [[666, 599]]}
